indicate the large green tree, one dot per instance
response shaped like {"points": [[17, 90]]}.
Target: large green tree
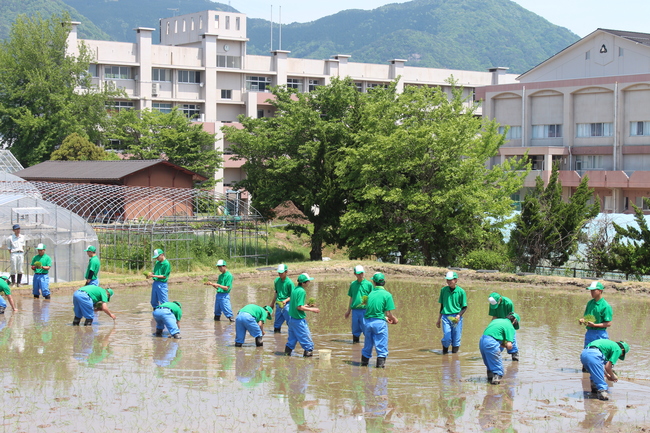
{"points": [[78, 148], [417, 181], [151, 134], [548, 227], [46, 93], [293, 155]]}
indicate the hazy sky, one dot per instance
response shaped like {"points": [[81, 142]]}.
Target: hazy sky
{"points": [[580, 16]]}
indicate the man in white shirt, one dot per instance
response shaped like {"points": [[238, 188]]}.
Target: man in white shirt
{"points": [[16, 245]]}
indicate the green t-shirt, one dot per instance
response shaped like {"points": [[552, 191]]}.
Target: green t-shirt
{"points": [[176, 310], [97, 294], [501, 330], [610, 349], [225, 279], [283, 288], [502, 309], [452, 300], [162, 268], [45, 261], [601, 311], [297, 299], [379, 301], [357, 290], [256, 311], [93, 266], [4, 287]]}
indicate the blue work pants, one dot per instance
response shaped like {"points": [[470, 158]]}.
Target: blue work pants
{"points": [[41, 283], [83, 305], [246, 322], [222, 304], [164, 317], [299, 332], [595, 334], [491, 352], [358, 321], [451, 332], [594, 362], [376, 335], [281, 315], [158, 293]]}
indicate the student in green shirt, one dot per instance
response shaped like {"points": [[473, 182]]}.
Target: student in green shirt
{"points": [[160, 275], [453, 304], [223, 286], [4, 288], [168, 314], [600, 309], [251, 318], [281, 297], [41, 264], [498, 334], [89, 299], [358, 289], [298, 329], [379, 312], [599, 359], [500, 307], [92, 271]]}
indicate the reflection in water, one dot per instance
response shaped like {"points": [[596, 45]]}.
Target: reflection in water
{"points": [[225, 333], [41, 312], [299, 372], [165, 352], [451, 402], [497, 409], [248, 368], [598, 414], [377, 415], [90, 346]]}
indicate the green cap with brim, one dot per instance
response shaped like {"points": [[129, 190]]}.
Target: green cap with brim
{"points": [[596, 285], [303, 278], [494, 299], [5, 277], [517, 318], [282, 268], [91, 248], [269, 310], [626, 347], [110, 293], [378, 277], [157, 252], [221, 263], [451, 275]]}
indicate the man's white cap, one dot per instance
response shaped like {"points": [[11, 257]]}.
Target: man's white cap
{"points": [[358, 269], [451, 275], [282, 268], [492, 301], [40, 246]]}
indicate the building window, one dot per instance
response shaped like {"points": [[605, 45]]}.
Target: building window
{"points": [[376, 85], [260, 114], [229, 62], [216, 21], [639, 128], [513, 133], [119, 105], [237, 23], [641, 202], [589, 162], [313, 84], [162, 107], [227, 22], [587, 55], [258, 84], [201, 21], [117, 72], [161, 74], [547, 131], [191, 110], [594, 130], [192, 24], [359, 86], [193, 77], [295, 83], [226, 94], [620, 52]]}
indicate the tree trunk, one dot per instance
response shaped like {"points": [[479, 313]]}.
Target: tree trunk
{"points": [[316, 253]]}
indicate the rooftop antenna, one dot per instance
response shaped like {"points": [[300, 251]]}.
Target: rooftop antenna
{"points": [[280, 23], [271, 27]]}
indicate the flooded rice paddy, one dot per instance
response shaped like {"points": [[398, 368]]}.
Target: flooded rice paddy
{"points": [[118, 377]]}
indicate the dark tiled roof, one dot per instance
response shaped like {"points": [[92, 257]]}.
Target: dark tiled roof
{"points": [[92, 170], [640, 38]]}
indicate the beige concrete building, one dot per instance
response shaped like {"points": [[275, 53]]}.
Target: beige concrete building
{"points": [[588, 109], [201, 66]]}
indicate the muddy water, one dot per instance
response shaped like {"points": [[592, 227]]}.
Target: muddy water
{"points": [[117, 377]]}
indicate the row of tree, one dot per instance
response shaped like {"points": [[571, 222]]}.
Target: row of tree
{"points": [[403, 173], [49, 107]]}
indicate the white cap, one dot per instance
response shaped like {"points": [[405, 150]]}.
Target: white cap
{"points": [[451, 275], [40, 246], [358, 269], [221, 263], [282, 268], [492, 301]]}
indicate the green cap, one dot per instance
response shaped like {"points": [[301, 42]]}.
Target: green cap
{"points": [[358, 269], [596, 285], [221, 263], [110, 293], [5, 277], [494, 300], [517, 319], [303, 278], [451, 275], [91, 248], [378, 277], [157, 252], [40, 246], [269, 310], [282, 268], [178, 303], [626, 347]]}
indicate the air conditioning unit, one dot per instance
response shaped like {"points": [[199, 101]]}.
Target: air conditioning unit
{"points": [[155, 89]]}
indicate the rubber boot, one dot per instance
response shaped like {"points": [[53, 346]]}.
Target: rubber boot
{"points": [[584, 369], [603, 395], [445, 350], [454, 349], [515, 357], [238, 344], [35, 296], [276, 330], [364, 361], [13, 280], [47, 297], [308, 354], [490, 375], [496, 379], [217, 318], [381, 362], [2, 310], [88, 322], [76, 321], [19, 279], [258, 342], [355, 338], [594, 388], [287, 350], [231, 319], [158, 333], [177, 336]]}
